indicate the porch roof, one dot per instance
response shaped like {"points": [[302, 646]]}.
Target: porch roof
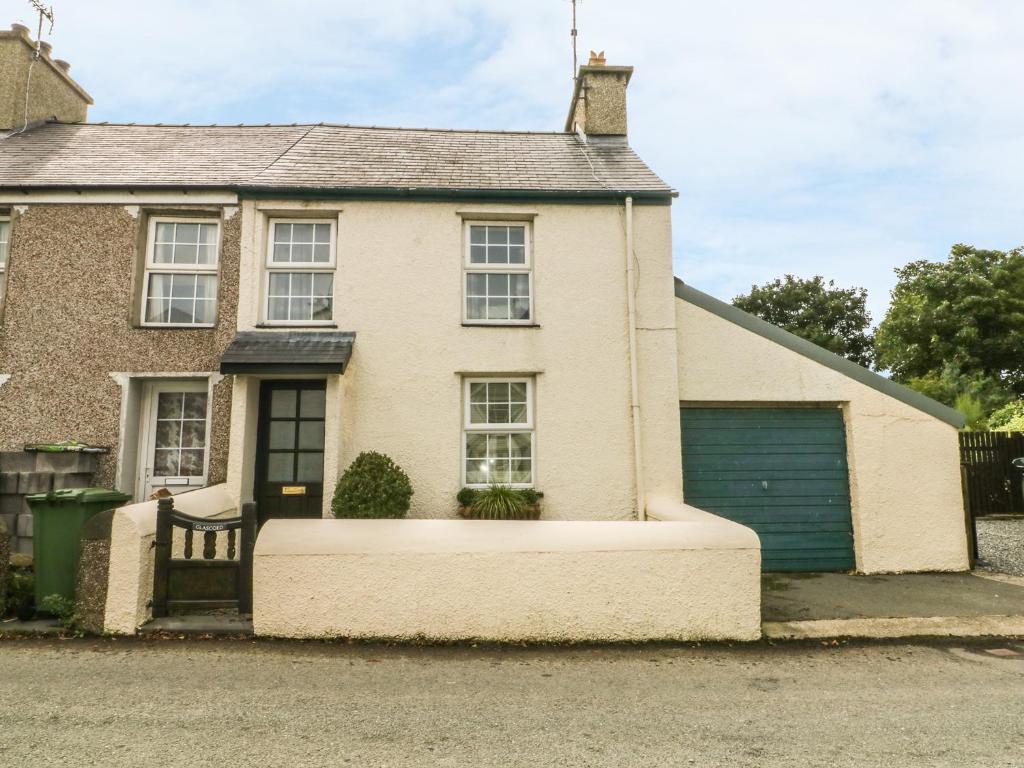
{"points": [[288, 352]]}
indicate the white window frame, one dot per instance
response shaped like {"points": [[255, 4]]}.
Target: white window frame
{"points": [[526, 268], [5, 219], [469, 428], [152, 267], [270, 267]]}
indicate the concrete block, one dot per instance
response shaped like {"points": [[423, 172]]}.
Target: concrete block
{"points": [[11, 504], [65, 462], [17, 461], [22, 546], [8, 523], [8, 482], [25, 525], [5, 559], [72, 480], [35, 482]]}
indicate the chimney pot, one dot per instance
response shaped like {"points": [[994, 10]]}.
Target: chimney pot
{"points": [[596, 59], [21, 29], [46, 48], [62, 64]]}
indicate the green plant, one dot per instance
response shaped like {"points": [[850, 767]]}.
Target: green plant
{"points": [[500, 502], [530, 496], [372, 487], [61, 608], [1009, 418], [466, 496], [20, 595], [972, 409]]}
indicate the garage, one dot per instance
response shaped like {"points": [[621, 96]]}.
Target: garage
{"points": [[780, 471]]}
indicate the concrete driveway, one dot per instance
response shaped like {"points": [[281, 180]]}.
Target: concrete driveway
{"points": [[825, 605], [230, 703]]}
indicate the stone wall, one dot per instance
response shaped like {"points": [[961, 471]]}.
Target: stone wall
{"points": [[23, 473]]}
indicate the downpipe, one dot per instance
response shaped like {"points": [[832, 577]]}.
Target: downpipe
{"points": [[638, 459]]}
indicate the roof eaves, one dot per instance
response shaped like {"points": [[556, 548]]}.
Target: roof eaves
{"points": [[641, 197], [818, 354]]}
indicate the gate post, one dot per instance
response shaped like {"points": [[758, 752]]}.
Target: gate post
{"points": [[969, 521], [162, 554], [245, 557]]}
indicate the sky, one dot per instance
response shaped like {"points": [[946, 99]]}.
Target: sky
{"points": [[840, 139]]}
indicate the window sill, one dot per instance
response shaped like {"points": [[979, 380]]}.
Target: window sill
{"points": [[161, 327], [500, 325], [322, 326]]}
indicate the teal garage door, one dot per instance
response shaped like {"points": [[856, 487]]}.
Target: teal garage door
{"points": [[780, 471]]}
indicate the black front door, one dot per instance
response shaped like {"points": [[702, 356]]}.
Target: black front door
{"points": [[290, 449]]}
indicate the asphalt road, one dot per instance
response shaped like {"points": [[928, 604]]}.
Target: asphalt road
{"points": [[221, 703]]}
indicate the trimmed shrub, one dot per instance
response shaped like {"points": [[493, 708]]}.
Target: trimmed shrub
{"points": [[372, 487], [466, 496]]}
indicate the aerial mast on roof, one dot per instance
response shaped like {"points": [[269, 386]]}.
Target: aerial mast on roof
{"points": [[45, 14], [572, 34]]}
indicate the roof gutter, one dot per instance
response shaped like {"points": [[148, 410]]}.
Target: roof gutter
{"points": [[612, 196], [437, 194]]}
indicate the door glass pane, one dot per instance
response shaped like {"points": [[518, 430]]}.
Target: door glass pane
{"points": [[282, 403], [195, 405], [279, 467], [313, 403], [193, 434], [311, 468], [169, 405], [191, 463], [311, 435], [168, 434], [165, 463], [282, 434]]}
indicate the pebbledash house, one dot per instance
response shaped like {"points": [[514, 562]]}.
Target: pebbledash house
{"points": [[247, 308]]}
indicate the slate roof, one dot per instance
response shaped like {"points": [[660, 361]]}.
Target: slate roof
{"points": [[331, 157], [288, 352]]}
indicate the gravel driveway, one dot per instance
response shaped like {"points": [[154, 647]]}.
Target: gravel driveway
{"points": [[1001, 545]]}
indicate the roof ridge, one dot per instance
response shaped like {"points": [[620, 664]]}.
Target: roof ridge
{"points": [[107, 124]]}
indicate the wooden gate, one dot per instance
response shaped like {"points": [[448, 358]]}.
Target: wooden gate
{"points": [[993, 484], [208, 581]]}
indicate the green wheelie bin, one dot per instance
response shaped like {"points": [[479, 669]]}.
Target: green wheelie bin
{"points": [[57, 519]]}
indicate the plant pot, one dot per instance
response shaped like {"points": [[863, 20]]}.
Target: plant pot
{"points": [[532, 512]]}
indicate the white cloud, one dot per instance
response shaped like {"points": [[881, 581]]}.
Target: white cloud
{"points": [[805, 137]]}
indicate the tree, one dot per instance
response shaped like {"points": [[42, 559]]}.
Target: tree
{"points": [[831, 317], [973, 390], [964, 314], [1009, 418]]}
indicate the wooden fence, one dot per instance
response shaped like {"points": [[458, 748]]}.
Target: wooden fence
{"points": [[993, 483]]}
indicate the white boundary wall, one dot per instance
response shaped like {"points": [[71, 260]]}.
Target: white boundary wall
{"points": [[695, 578]]}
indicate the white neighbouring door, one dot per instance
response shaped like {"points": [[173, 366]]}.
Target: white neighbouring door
{"points": [[174, 437]]}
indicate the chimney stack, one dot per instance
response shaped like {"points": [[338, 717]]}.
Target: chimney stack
{"points": [[52, 94], [599, 99]]}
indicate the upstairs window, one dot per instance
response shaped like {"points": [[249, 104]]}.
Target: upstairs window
{"points": [[181, 273], [498, 432], [498, 276], [300, 272], [5, 245]]}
